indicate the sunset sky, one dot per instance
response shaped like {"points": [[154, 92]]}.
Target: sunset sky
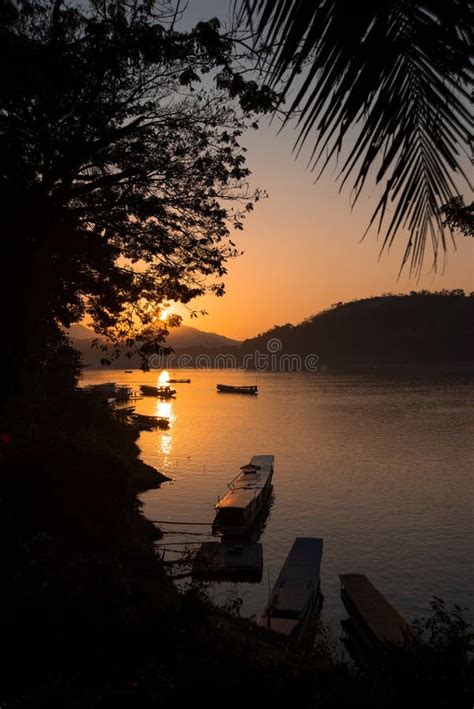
{"points": [[302, 244]]}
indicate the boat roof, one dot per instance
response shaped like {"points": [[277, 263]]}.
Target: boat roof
{"points": [[264, 461], [299, 576], [247, 485], [240, 497], [381, 617]]}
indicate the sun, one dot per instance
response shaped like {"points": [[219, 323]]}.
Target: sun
{"points": [[165, 314], [163, 377]]}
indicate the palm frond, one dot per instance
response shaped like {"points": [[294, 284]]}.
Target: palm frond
{"points": [[389, 81]]}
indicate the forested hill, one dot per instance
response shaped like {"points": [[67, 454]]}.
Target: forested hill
{"points": [[413, 330], [390, 329]]}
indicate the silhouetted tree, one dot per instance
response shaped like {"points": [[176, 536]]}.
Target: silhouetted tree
{"points": [[459, 216], [390, 79], [121, 170]]}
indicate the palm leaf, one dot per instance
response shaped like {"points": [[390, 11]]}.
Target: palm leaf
{"points": [[388, 80]]}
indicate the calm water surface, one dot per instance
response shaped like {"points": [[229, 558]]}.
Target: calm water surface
{"points": [[381, 468]]}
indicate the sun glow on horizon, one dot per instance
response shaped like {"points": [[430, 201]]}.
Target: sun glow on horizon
{"points": [[163, 377]]}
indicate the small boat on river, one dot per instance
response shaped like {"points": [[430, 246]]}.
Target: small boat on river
{"points": [[228, 389], [248, 492], [179, 381], [296, 596], [149, 423], [162, 392], [110, 391]]}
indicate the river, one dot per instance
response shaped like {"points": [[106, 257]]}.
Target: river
{"points": [[380, 467]]}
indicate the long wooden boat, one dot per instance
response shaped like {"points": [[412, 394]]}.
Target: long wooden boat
{"points": [[179, 381], [248, 491], [228, 389], [374, 622], [296, 596], [149, 423], [162, 392]]}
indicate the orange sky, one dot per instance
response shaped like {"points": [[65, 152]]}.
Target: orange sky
{"points": [[303, 252], [302, 244]]}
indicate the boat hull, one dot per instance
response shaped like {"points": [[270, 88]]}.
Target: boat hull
{"points": [[227, 389], [373, 620]]}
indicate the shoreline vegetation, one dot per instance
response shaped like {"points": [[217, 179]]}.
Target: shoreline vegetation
{"points": [[146, 477]]}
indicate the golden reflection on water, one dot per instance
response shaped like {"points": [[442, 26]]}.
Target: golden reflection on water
{"points": [[165, 409], [166, 443]]}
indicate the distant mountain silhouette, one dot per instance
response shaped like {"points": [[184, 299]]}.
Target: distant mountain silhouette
{"points": [[182, 338], [413, 329], [388, 331], [185, 336], [179, 338]]}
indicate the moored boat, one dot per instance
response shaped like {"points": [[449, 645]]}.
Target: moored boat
{"points": [[240, 507], [218, 561], [296, 596], [228, 389], [110, 391], [179, 381], [162, 392], [374, 622], [149, 423]]}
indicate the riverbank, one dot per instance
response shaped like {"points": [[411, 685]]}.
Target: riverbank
{"points": [[145, 477]]}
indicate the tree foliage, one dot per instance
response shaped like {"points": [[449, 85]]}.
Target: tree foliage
{"points": [[122, 173], [388, 80], [459, 216]]}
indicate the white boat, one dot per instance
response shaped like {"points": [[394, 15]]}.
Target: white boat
{"points": [[296, 596], [240, 507]]}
